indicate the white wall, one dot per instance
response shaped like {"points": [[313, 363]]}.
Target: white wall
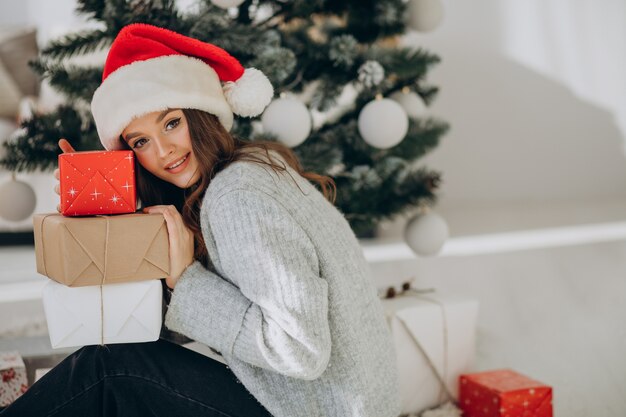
{"points": [[526, 88], [51, 18]]}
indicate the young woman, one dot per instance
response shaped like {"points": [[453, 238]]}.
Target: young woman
{"points": [[264, 269]]}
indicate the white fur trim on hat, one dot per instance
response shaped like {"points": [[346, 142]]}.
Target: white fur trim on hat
{"points": [[156, 84], [250, 94]]}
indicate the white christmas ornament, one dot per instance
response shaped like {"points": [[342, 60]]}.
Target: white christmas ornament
{"points": [[225, 4], [383, 123], [412, 104], [18, 200], [426, 233], [424, 15], [289, 119]]}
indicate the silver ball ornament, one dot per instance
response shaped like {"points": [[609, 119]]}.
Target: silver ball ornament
{"points": [[17, 200], [225, 4], [412, 104], [426, 233], [424, 15], [289, 119], [383, 123]]}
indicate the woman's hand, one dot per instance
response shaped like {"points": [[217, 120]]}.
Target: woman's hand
{"points": [[181, 242], [65, 147]]}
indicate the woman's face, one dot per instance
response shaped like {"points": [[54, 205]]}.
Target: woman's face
{"points": [[162, 145]]}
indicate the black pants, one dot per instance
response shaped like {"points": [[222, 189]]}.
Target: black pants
{"points": [[137, 379]]}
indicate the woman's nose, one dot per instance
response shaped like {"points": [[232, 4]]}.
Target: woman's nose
{"points": [[164, 147]]}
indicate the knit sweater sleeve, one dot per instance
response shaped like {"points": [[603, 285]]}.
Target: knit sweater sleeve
{"points": [[276, 316]]}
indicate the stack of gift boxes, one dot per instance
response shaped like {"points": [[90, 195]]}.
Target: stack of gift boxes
{"points": [[104, 262], [104, 259]]}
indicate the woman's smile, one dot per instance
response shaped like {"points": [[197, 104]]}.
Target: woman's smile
{"points": [[178, 165]]}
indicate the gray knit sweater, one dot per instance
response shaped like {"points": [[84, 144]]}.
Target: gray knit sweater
{"points": [[288, 301]]}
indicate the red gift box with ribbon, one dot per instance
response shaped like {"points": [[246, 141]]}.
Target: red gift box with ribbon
{"points": [[503, 393], [97, 182]]}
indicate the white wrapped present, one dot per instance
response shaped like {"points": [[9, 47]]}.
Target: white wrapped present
{"points": [[434, 337], [131, 313]]}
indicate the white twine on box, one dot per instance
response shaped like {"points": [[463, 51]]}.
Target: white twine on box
{"points": [[104, 276], [43, 252]]}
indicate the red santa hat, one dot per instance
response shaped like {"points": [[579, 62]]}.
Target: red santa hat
{"points": [[152, 69]]}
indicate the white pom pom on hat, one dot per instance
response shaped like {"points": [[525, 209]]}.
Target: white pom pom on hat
{"points": [[250, 94], [149, 69]]}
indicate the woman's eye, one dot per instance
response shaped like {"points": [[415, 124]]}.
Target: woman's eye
{"points": [[172, 124], [139, 143]]}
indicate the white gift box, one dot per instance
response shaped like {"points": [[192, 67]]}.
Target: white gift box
{"points": [[131, 311], [434, 337]]}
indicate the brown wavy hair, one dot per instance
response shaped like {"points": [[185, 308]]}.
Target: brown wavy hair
{"points": [[215, 149]]}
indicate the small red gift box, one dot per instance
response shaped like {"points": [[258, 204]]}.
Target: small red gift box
{"points": [[503, 393], [13, 381], [97, 182]]}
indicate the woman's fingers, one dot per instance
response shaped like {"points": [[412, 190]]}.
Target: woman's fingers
{"points": [[180, 241], [172, 217], [65, 146], [171, 210], [169, 220]]}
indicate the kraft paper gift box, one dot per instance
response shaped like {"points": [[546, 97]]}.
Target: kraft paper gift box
{"points": [[503, 393], [75, 251], [97, 182], [434, 337], [103, 314], [13, 382]]}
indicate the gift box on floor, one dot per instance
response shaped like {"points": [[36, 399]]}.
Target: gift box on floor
{"points": [[97, 182], [13, 382], [77, 251], [434, 337], [503, 393], [103, 314]]}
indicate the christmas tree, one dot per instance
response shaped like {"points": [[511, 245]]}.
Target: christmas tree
{"points": [[350, 100]]}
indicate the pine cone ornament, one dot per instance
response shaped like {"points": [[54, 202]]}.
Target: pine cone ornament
{"points": [[371, 73]]}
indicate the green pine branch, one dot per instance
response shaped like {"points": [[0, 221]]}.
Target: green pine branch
{"points": [[75, 82], [423, 136], [91, 9], [76, 44], [407, 64], [36, 147]]}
